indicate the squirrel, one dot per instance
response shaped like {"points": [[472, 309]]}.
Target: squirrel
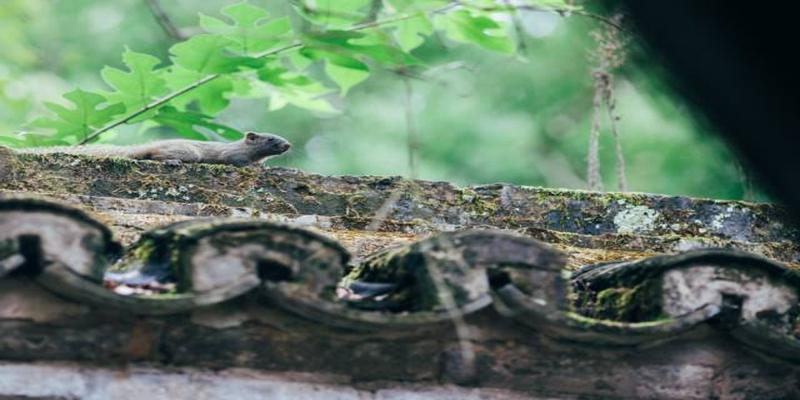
{"points": [[253, 148]]}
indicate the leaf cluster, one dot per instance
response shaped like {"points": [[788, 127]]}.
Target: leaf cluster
{"points": [[315, 53]]}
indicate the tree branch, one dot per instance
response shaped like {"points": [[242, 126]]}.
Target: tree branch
{"points": [[165, 99], [164, 20], [564, 12], [411, 130]]}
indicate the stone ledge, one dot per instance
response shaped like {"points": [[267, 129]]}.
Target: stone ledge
{"points": [[71, 381], [605, 314], [423, 206]]}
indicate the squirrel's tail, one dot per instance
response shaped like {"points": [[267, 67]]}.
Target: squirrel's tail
{"points": [[101, 150]]}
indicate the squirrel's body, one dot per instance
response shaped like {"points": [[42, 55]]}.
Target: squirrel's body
{"points": [[252, 149]]}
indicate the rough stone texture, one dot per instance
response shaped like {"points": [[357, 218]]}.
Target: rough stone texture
{"points": [[699, 366], [423, 206], [693, 325], [690, 288], [69, 381]]}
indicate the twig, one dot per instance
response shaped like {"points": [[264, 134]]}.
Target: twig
{"points": [[374, 9], [411, 130], [602, 19], [517, 28], [163, 100], [593, 156], [564, 12], [610, 54], [148, 107], [611, 107], [209, 78], [164, 20], [748, 190]]}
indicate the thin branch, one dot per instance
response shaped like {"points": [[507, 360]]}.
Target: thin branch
{"points": [[564, 12], [404, 17], [374, 9], [148, 107], [602, 19], [610, 54], [411, 130], [517, 28], [163, 100], [593, 156], [611, 108], [745, 178], [164, 20]]}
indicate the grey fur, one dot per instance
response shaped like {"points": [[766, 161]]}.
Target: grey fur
{"points": [[253, 148]]}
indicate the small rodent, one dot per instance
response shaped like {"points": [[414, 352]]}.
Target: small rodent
{"points": [[253, 148]]}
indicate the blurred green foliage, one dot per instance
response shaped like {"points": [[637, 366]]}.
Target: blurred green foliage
{"points": [[481, 116]]}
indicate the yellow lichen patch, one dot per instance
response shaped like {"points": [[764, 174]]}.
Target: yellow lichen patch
{"points": [[129, 227], [578, 257], [362, 243]]}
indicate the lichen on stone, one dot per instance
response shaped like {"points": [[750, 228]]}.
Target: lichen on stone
{"points": [[636, 219]]}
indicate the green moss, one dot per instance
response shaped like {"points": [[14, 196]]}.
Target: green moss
{"points": [[118, 166], [158, 256], [615, 303], [637, 303], [381, 267], [483, 207], [8, 247], [402, 266]]}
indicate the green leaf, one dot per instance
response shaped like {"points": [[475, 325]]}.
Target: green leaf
{"points": [[137, 87], [208, 54], [416, 5], [279, 76], [186, 123], [552, 4], [210, 98], [248, 87], [35, 140], [281, 98], [333, 13], [250, 31], [345, 71], [11, 141], [291, 88], [401, 5], [411, 32], [465, 27], [297, 60], [81, 120], [28, 139], [345, 77], [353, 44]]}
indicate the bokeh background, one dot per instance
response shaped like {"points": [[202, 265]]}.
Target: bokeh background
{"points": [[488, 118]]}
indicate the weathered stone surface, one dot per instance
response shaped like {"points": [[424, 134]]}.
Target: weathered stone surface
{"points": [[656, 327], [422, 206], [69, 381]]}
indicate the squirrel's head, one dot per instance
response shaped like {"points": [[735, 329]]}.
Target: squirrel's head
{"points": [[262, 145]]}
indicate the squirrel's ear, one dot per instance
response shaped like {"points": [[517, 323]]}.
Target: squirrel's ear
{"points": [[251, 135]]}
